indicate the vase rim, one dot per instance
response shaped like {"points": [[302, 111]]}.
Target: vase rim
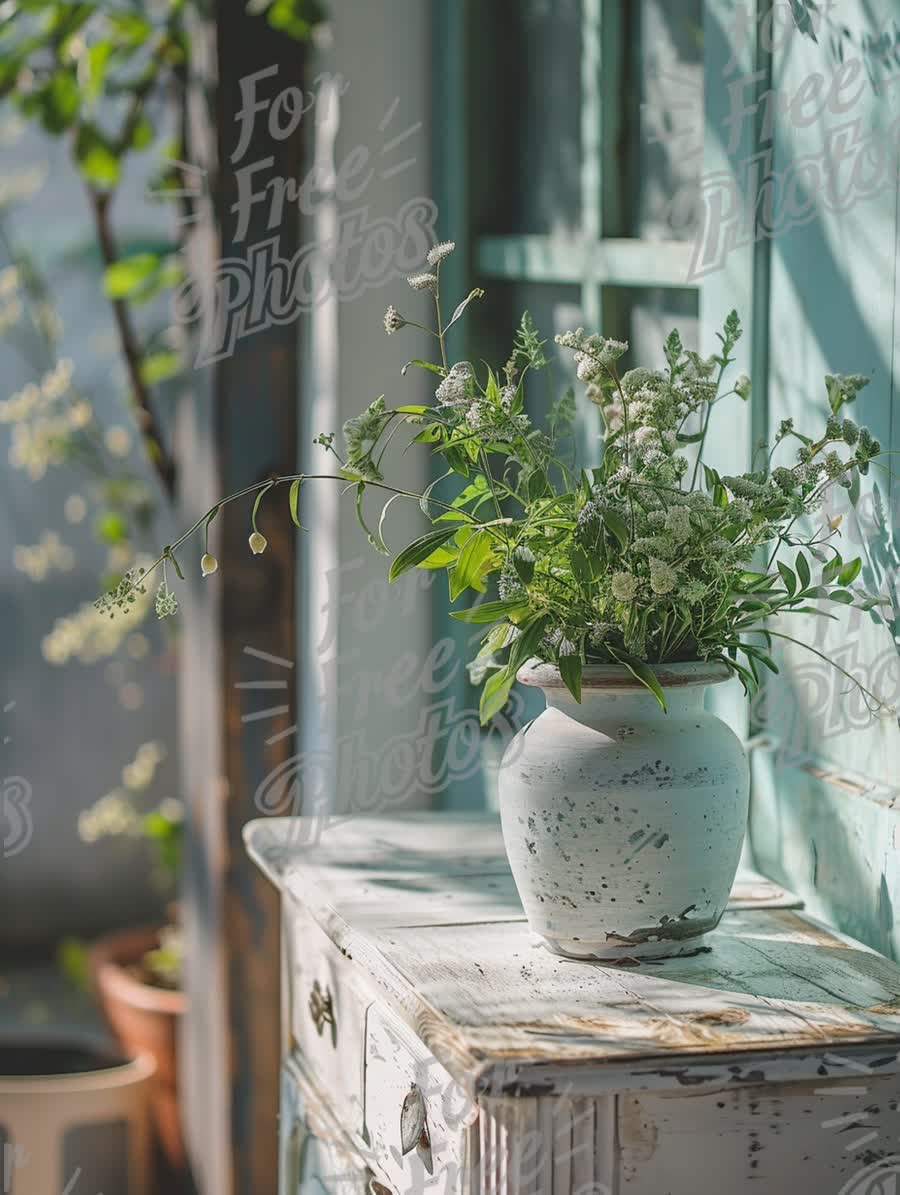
{"points": [[616, 677]]}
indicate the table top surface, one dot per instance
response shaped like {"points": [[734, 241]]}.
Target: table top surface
{"points": [[426, 905]]}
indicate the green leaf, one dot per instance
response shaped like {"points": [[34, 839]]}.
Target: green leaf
{"points": [[57, 102], [642, 672], [477, 293], [747, 679], [160, 366], [413, 409], [476, 552], [111, 527], [296, 18], [523, 562], [259, 497], [570, 671], [495, 694], [96, 157], [97, 57], [831, 570], [802, 567], [429, 365], [844, 596], [756, 653], [381, 521], [142, 134], [74, 961], [850, 572], [456, 459], [123, 278], [617, 525], [581, 566], [692, 438], [440, 558], [429, 435], [536, 485], [523, 648], [490, 611], [130, 28], [420, 549], [752, 582], [294, 502], [789, 578], [711, 477]]}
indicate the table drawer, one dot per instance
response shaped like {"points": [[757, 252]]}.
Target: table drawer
{"points": [[326, 1014], [314, 1155], [405, 1086]]}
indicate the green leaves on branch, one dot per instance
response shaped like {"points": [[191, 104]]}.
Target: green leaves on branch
{"points": [[294, 502], [642, 672], [570, 671], [492, 611], [140, 277], [97, 158], [419, 550], [475, 555], [495, 694]]}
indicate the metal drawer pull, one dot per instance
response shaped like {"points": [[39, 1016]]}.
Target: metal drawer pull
{"points": [[321, 1009], [414, 1128]]}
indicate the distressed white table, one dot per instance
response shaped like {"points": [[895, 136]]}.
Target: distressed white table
{"points": [[430, 1044]]}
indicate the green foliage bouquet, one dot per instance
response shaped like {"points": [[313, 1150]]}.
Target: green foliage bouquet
{"points": [[648, 558]]}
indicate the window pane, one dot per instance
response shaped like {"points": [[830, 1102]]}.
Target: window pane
{"points": [[649, 315], [666, 115], [526, 112]]}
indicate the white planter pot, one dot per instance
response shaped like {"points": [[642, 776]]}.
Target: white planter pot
{"points": [[73, 1117], [624, 824]]}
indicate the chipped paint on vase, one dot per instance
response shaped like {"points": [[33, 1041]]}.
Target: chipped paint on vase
{"points": [[623, 823]]}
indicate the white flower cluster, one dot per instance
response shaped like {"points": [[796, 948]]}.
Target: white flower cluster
{"points": [[438, 252], [92, 633], [393, 320], [424, 282], [594, 354], [111, 816], [39, 560], [14, 188], [44, 418], [457, 389]]}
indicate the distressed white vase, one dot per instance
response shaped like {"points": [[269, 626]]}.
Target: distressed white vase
{"points": [[624, 824]]}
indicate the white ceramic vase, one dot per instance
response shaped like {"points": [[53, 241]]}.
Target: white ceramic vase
{"points": [[623, 823]]}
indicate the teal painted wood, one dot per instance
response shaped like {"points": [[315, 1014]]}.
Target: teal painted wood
{"points": [[589, 422], [836, 837], [450, 173], [612, 261], [734, 279], [832, 308]]}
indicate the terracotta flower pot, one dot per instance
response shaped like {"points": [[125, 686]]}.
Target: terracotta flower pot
{"points": [[145, 1019]]}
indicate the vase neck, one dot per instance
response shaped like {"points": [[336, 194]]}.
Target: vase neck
{"points": [[598, 706]]}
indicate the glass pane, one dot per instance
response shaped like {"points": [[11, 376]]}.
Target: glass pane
{"points": [[648, 316], [526, 112], [665, 114]]}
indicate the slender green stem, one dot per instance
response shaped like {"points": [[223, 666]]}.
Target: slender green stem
{"points": [[879, 702], [437, 308], [169, 551], [726, 361]]}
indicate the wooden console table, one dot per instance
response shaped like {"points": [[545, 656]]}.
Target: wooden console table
{"points": [[430, 1044]]}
